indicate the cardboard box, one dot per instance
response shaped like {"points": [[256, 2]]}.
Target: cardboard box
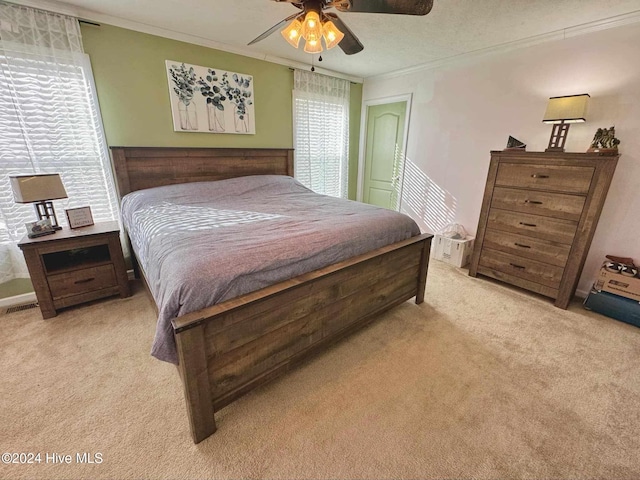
{"points": [[618, 284], [614, 306], [454, 252]]}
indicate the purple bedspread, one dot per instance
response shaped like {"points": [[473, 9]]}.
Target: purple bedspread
{"points": [[202, 243]]}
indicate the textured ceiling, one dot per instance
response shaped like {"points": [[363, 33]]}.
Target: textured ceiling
{"points": [[392, 42]]}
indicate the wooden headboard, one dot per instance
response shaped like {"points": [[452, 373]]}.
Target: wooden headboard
{"points": [[146, 167]]}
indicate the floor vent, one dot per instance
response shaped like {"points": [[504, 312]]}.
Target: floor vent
{"points": [[19, 308]]}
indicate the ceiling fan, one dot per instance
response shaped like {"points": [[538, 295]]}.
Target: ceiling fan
{"points": [[313, 23]]}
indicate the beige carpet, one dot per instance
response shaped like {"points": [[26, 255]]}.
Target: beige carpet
{"points": [[482, 381]]}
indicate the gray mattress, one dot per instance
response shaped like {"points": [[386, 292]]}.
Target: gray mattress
{"points": [[199, 244]]}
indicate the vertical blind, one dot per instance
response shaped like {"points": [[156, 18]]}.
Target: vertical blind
{"points": [[49, 123], [321, 132]]}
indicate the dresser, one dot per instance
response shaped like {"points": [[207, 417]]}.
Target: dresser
{"points": [[539, 213]]}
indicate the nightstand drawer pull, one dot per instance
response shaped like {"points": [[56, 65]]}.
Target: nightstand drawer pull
{"points": [[539, 175], [528, 224], [86, 280], [522, 245], [533, 202], [519, 267]]}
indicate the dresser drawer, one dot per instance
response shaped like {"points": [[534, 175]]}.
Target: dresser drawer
{"points": [[558, 178], [555, 205], [525, 268], [527, 247], [552, 229], [81, 281]]}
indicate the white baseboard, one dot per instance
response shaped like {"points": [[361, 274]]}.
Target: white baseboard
{"points": [[582, 294], [18, 300]]}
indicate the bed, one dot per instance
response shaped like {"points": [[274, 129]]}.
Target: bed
{"points": [[256, 332]]}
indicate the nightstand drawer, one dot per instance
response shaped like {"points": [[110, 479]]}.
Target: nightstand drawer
{"points": [[558, 178], [528, 247], [555, 205], [81, 281], [547, 228], [527, 269]]}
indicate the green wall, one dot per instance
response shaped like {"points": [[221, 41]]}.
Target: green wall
{"points": [[131, 82]]}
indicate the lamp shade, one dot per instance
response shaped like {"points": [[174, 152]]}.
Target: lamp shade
{"points": [[292, 33], [312, 27], [332, 36], [568, 109], [36, 188], [313, 46]]}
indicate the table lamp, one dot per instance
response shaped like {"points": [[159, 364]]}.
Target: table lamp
{"points": [[40, 190], [562, 112]]}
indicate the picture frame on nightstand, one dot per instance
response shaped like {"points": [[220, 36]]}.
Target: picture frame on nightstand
{"points": [[79, 217]]}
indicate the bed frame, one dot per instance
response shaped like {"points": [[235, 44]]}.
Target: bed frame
{"points": [[233, 347]]}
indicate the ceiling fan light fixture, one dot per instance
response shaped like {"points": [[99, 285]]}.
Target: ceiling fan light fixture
{"points": [[313, 46], [332, 36], [292, 33]]}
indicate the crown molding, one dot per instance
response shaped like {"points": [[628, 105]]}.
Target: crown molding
{"points": [[84, 14], [583, 29]]}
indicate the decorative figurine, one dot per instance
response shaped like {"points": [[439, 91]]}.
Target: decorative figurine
{"points": [[604, 141], [515, 144]]}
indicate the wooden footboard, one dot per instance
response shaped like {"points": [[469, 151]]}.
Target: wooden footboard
{"points": [[231, 348]]}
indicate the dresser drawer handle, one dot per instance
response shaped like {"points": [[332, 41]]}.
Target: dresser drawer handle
{"points": [[528, 224], [533, 202], [539, 175], [86, 280], [519, 267], [522, 245]]}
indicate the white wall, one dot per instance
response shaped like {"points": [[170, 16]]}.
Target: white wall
{"points": [[463, 111]]}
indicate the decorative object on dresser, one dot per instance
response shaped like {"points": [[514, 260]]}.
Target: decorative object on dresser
{"points": [[39, 190], [539, 214], [515, 144], [562, 112], [76, 266], [605, 141]]}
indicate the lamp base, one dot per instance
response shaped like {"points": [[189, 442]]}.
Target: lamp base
{"points": [[558, 137], [44, 210]]}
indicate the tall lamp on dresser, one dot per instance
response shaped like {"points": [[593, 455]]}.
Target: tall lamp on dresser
{"points": [[539, 213]]}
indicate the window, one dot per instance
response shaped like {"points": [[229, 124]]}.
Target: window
{"points": [[49, 121], [321, 132]]}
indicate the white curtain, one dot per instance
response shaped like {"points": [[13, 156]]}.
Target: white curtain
{"points": [[321, 132], [49, 123]]}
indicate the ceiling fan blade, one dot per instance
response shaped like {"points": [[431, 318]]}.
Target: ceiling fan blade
{"points": [[350, 43], [276, 27], [401, 7]]}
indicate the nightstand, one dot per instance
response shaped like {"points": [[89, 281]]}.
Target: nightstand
{"points": [[76, 266]]}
